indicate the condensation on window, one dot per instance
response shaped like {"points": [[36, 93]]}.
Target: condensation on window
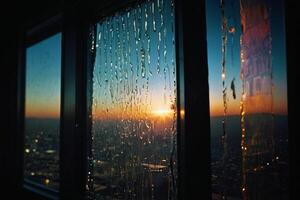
{"points": [[133, 152]]}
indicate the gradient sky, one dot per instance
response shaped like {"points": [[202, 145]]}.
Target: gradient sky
{"points": [[118, 88], [43, 66], [213, 17], [43, 78]]}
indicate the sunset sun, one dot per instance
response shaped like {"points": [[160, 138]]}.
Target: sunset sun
{"points": [[162, 112]]}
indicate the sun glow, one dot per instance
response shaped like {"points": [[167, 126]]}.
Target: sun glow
{"points": [[162, 112]]}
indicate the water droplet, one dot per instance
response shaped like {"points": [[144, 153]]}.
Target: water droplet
{"points": [[159, 36], [150, 73], [152, 6], [134, 26], [143, 63]]}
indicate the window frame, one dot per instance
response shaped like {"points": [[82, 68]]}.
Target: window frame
{"points": [[192, 75], [74, 122], [186, 13], [31, 34], [193, 78], [190, 43], [292, 59]]}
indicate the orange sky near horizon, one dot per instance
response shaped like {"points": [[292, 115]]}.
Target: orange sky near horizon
{"points": [[216, 109], [233, 107], [42, 111], [137, 112]]}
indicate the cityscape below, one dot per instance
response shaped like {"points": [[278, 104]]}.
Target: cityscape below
{"points": [[227, 177]]}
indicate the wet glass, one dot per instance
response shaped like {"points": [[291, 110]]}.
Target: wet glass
{"points": [[248, 99], [134, 154]]}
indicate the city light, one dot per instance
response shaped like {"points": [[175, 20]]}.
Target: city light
{"points": [[47, 181]]}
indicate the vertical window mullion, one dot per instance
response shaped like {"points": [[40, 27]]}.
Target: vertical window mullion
{"points": [[72, 133], [193, 100]]}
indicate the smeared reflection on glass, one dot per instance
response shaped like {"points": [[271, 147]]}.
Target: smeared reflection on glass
{"points": [[248, 100], [42, 112], [261, 165], [134, 105]]}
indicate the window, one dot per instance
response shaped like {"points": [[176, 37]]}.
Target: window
{"points": [[135, 121], [248, 99], [42, 112], [134, 147]]}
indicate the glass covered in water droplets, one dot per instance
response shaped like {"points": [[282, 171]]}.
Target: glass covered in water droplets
{"points": [[133, 132]]}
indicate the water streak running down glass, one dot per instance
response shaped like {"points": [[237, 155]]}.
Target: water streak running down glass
{"points": [[248, 99], [42, 112], [134, 132]]}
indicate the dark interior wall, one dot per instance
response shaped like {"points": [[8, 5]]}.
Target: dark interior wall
{"points": [[292, 47], [8, 84], [13, 16]]}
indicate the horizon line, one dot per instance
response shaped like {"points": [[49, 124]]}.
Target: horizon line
{"points": [[229, 115]]}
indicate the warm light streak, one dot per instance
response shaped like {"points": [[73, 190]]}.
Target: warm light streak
{"points": [[162, 112], [182, 112]]}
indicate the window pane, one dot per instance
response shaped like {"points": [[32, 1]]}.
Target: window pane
{"points": [[134, 105], [42, 112], [248, 99]]}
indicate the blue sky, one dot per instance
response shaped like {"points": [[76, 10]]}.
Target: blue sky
{"points": [[213, 17], [43, 78], [122, 39], [43, 62]]}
